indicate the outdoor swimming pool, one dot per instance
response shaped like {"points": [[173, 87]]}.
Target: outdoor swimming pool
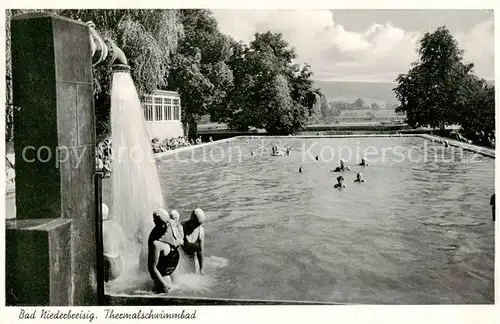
{"points": [[419, 231]]}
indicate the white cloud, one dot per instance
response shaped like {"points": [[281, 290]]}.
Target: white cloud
{"points": [[479, 48], [379, 53]]}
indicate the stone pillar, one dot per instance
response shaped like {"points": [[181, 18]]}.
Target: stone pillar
{"points": [[54, 137], [38, 262]]}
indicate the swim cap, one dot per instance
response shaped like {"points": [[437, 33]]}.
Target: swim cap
{"points": [[105, 211], [160, 216], [174, 215], [199, 215]]}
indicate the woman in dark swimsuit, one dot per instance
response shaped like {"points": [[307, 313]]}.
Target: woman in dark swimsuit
{"points": [[163, 256], [194, 239]]}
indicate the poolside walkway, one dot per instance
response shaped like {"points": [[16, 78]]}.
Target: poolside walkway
{"points": [[466, 146], [187, 148]]}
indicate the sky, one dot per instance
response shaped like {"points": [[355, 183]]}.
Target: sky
{"points": [[365, 45]]}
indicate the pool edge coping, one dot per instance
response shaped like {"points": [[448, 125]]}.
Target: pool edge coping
{"points": [[466, 146], [114, 299]]}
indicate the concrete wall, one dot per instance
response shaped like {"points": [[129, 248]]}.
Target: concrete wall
{"points": [[39, 251], [52, 85], [164, 129]]}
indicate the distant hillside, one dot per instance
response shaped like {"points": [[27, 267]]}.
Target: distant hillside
{"points": [[370, 92]]}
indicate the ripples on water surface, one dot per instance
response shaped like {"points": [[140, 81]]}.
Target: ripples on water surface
{"points": [[414, 233]]}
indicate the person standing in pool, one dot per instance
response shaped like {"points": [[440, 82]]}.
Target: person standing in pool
{"points": [[163, 256], [194, 239], [342, 167], [340, 183], [113, 245], [492, 203], [359, 178], [174, 217]]}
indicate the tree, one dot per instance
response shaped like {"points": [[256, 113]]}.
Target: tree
{"points": [[429, 93], [317, 114], [269, 91], [359, 104], [478, 114], [302, 90], [280, 117], [374, 106], [199, 71]]}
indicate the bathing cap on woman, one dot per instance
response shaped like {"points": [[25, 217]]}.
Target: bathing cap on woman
{"points": [[166, 263]]}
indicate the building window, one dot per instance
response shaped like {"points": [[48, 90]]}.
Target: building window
{"points": [[158, 112], [165, 112], [177, 110], [161, 107], [168, 108], [148, 108], [148, 112], [169, 115]]}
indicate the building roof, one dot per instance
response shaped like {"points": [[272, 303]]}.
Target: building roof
{"points": [[166, 93]]}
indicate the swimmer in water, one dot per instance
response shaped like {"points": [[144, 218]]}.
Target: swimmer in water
{"points": [[288, 149], [251, 153], [340, 183], [342, 167], [301, 169], [113, 246], [359, 178], [317, 158], [194, 239], [163, 254], [363, 162]]}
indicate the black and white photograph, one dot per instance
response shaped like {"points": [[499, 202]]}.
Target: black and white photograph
{"points": [[209, 156]]}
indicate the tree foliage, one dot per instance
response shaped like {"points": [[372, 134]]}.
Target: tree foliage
{"points": [[440, 89], [199, 71], [269, 92], [478, 114]]}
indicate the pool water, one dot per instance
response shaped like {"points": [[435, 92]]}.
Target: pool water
{"points": [[417, 232]]}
